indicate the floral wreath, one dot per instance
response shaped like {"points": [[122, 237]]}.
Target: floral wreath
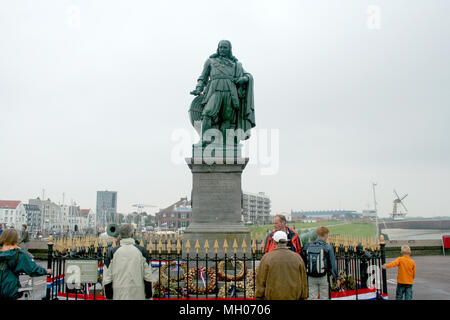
{"points": [[250, 284], [251, 278], [226, 289], [163, 271], [239, 275], [190, 280], [347, 283], [160, 289]]}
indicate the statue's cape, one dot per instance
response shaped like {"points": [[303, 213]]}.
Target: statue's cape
{"points": [[246, 114]]}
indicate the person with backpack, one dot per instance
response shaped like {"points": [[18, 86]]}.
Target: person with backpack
{"points": [[127, 273], [320, 263], [14, 261]]}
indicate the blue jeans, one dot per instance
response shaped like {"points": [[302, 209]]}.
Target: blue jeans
{"points": [[404, 289]]}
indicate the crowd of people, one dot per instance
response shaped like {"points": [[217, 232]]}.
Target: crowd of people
{"points": [[283, 275], [288, 269]]}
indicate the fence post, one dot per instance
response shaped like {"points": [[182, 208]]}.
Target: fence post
{"points": [[49, 266], [383, 261]]}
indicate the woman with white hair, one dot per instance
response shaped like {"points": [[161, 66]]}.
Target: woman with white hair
{"points": [[127, 271]]}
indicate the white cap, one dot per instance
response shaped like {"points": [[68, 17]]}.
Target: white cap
{"points": [[279, 235]]}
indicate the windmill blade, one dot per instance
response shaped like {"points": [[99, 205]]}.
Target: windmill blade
{"points": [[404, 197], [403, 206], [396, 194]]}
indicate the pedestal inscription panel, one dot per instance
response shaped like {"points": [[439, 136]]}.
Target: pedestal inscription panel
{"points": [[216, 195]]}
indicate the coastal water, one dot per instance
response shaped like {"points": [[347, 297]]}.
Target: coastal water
{"points": [[415, 234]]}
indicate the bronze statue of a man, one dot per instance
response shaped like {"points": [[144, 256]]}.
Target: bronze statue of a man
{"points": [[227, 99]]}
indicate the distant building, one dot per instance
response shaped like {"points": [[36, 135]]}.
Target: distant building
{"points": [[256, 208], [51, 215], [12, 213], [369, 214], [87, 220], [326, 215], [106, 212], [178, 215], [33, 214], [72, 218]]}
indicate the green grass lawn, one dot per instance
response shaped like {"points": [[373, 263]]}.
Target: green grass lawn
{"points": [[361, 229], [269, 227]]}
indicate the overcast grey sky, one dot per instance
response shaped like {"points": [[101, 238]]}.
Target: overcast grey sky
{"points": [[91, 93]]}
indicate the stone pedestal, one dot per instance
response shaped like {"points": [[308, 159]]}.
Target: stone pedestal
{"points": [[216, 205]]}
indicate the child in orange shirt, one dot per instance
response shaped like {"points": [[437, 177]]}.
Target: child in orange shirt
{"points": [[406, 273]]}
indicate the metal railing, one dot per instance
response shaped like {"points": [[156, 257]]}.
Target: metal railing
{"points": [[179, 272]]}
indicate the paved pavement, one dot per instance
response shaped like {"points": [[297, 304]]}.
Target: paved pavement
{"points": [[415, 234], [432, 278], [38, 285]]}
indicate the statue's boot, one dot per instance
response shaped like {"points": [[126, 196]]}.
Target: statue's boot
{"points": [[206, 125]]}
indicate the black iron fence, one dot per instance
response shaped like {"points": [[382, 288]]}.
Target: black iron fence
{"points": [[179, 273]]}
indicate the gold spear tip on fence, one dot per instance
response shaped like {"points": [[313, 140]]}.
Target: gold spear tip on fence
{"points": [[159, 246], [225, 245], [178, 246], [169, 246], [216, 246], [197, 246], [206, 246], [253, 245], [50, 240], [188, 246], [235, 245], [381, 239]]}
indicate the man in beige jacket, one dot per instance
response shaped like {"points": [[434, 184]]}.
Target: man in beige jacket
{"points": [[127, 271], [281, 274]]}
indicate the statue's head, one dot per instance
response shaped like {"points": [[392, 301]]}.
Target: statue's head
{"points": [[224, 50]]}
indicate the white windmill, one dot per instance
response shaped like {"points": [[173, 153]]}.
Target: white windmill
{"points": [[397, 213]]}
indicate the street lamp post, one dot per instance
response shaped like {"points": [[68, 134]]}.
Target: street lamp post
{"points": [[375, 207]]}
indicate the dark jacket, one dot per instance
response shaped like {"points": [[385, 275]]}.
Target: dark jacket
{"points": [[13, 262], [25, 237], [293, 241], [330, 259]]}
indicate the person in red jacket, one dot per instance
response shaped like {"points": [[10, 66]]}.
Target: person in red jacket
{"points": [[294, 243]]}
